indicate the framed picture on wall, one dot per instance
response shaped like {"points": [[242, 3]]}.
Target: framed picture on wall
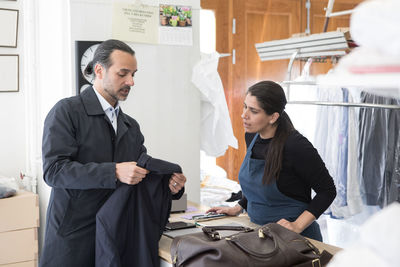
{"points": [[9, 27], [9, 73]]}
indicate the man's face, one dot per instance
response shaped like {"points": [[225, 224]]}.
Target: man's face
{"points": [[116, 81]]}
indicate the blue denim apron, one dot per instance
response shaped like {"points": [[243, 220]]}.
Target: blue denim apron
{"points": [[265, 203]]}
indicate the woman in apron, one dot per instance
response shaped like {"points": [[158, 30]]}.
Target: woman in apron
{"points": [[280, 167]]}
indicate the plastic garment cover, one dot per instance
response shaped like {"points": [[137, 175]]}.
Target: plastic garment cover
{"points": [[378, 243], [354, 199], [216, 129], [376, 25], [379, 151], [332, 144]]}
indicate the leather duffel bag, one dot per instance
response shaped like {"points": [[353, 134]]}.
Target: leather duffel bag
{"points": [[269, 245]]}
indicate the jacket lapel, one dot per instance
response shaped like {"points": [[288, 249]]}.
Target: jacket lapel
{"points": [[92, 104], [122, 125], [93, 107]]}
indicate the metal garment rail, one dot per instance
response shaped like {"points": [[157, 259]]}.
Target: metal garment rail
{"points": [[342, 104]]}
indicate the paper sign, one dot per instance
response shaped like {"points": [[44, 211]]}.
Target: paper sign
{"points": [[135, 23]]}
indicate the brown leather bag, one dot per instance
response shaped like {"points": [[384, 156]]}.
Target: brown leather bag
{"points": [[270, 245]]}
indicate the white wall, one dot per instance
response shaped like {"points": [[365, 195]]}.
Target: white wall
{"points": [[163, 100], [12, 116]]}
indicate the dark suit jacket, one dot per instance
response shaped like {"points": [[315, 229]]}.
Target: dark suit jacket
{"points": [[131, 222], [80, 150]]}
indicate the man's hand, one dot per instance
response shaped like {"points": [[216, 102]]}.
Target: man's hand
{"points": [[177, 182], [129, 172]]}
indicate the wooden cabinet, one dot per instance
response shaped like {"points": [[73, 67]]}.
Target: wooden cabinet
{"points": [[18, 230]]}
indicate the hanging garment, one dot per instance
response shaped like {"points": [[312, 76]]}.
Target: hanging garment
{"points": [[216, 128], [130, 223], [265, 203], [354, 200], [379, 151], [332, 144], [392, 168]]}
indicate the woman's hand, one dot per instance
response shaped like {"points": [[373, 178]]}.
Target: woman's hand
{"points": [[290, 225], [227, 210], [301, 223]]}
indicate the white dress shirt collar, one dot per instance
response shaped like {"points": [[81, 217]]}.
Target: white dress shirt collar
{"points": [[110, 111]]}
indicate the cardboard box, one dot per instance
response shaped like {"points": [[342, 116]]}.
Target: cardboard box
{"points": [[21, 264], [18, 246], [19, 212]]}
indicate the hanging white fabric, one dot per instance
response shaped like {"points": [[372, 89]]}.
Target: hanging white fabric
{"points": [[216, 129]]}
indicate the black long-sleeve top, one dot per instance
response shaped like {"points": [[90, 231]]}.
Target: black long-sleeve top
{"points": [[302, 170]]}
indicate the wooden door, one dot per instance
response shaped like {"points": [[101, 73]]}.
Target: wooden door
{"points": [[259, 21]]}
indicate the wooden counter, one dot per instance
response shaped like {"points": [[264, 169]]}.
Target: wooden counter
{"points": [[243, 219]]}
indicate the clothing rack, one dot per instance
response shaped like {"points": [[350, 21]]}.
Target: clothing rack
{"points": [[342, 104], [314, 45], [322, 45]]}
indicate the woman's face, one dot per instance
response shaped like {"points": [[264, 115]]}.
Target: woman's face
{"points": [[255, 120]]}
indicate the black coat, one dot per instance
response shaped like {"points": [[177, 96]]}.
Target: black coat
{"points": [[80, 150]]}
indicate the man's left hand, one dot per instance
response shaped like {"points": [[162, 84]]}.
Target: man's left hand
{"points": [[177, 182]]}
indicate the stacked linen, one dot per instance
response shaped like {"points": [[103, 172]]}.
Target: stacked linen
{"points": [[216, 188], [375, 27]]}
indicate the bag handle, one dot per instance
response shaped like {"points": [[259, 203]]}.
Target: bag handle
{"points": [[211, 231], [323, 260], [263, 232]]}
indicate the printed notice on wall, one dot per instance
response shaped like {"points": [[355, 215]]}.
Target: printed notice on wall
{"points": [[175, 25], [135, 23]]}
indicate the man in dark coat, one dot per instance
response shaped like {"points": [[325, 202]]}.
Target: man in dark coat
{"points": [[89, 146]]}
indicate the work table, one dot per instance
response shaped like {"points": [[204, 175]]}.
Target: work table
{"points": [[242, 219]]}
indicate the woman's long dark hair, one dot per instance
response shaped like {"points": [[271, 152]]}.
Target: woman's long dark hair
{"points": [[271, 98]]}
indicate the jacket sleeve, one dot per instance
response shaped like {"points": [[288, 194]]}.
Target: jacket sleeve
{"points": [[60, 147]]}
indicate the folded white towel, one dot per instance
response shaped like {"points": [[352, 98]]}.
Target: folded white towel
{"points": [[376, 24]]}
